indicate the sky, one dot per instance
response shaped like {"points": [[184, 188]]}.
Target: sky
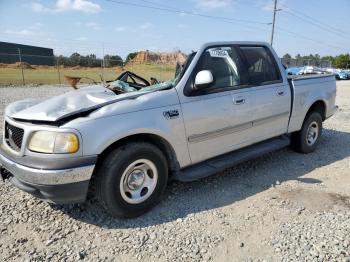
{"points": [[124, 26]]}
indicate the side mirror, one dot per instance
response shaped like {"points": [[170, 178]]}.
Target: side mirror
{"points": [[204, 79]]}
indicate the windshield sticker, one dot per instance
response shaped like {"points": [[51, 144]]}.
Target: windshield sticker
{"points": [[218, 53]]}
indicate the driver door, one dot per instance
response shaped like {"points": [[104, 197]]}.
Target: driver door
{"points": [[214, 123]]}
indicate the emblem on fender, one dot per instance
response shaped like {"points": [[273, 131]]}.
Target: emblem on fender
{"points": [[171, 114]]}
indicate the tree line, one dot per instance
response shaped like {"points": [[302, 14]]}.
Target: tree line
{"points": [[92, 60], [339, 61]]}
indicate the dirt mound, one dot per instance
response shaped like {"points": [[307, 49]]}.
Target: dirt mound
{"points": [[17, 65], [159, 58]]}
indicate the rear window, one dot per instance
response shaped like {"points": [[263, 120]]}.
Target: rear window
{"points": [[262, 67]]}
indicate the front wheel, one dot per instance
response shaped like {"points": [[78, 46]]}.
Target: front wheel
{"points": [[306, 140], [132, 179]]}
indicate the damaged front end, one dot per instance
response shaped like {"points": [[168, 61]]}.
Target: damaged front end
{"points": [[60, 109]]}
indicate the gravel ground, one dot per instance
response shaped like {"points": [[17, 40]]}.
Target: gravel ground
{"points": [[281, 206]]}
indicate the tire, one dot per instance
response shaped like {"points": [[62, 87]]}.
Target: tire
{"points": [[132, 179], [306, 140]]}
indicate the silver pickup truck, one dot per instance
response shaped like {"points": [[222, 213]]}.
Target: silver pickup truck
{"points": [[230, 101]]}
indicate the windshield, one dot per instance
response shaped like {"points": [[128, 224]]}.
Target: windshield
{"points": [[182, 70], [130, 82]]}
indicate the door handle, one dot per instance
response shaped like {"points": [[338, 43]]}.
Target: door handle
{"points": [[239, 101], [280, 93]]}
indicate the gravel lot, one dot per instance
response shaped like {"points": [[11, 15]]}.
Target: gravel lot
{"points": [[282, 206]]}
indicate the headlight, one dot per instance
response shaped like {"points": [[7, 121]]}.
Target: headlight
{"points": [[53, 142]]}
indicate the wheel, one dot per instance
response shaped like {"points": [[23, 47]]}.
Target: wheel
{"points": [[132, 179], [306, 140]]}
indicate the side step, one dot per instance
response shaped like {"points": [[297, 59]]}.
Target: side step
{"points": [[220, 163]]}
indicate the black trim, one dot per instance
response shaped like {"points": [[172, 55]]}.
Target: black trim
{"points": [[58, 194], [49, 163]]}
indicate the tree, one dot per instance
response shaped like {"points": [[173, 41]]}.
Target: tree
{"points": [[287, 56], [342, 61], [130, 56], [74, 59], [113, 60]]}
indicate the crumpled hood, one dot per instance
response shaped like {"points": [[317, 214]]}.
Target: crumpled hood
{"points": [[68, 104]]}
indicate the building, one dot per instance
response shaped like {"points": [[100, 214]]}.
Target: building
{"points": [[10, 53]]}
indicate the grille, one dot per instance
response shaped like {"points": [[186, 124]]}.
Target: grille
{"points": [[13, 136]]}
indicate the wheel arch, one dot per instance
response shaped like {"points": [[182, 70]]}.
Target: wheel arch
{"points": [[154, 139], [318, 106]]}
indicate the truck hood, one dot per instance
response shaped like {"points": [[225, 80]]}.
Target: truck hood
{"points": [[66, 105]]}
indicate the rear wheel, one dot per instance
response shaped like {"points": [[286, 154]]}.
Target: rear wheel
{"points": [[132, 179], [306, 140]]}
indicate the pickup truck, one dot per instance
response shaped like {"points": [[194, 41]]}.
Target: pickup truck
{"points": [[229, 102]]}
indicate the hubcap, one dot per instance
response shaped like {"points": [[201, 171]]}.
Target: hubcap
{"points": [[135, 179], [138, 181], [312, 133]]}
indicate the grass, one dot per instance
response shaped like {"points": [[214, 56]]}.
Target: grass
{"points": [[51, 75]]}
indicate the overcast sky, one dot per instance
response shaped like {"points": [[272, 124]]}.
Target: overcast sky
{"points": [[123, 26]]}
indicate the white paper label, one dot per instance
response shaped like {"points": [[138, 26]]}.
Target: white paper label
{"points": [[218, 53]]}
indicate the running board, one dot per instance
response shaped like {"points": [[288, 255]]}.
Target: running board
{"points": [[220, 163]]}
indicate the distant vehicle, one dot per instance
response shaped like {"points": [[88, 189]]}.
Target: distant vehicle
{"points": [[339, 74], [230, 102], [312, 70], [293, 70], [343, 75]]}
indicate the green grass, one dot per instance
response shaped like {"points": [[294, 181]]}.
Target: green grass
{"points": [[50, 75]]}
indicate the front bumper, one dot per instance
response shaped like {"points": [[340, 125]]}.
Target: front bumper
{"points": [[61, 186]]}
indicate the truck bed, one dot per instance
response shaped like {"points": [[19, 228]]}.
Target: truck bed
{"points": [[310, 76], [306, 90]]}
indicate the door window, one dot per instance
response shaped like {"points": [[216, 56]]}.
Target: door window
{"points": [[262, 68], [224, 64]]}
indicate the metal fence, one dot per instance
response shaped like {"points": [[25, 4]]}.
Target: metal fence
{"points": [[293, 62], [94, 69]]}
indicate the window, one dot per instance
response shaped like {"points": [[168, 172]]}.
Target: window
{"points": [[224, 64], [262, 68]]}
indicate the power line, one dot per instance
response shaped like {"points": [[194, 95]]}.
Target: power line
{"points": [[172, 10], [306, 38], [83, 45], [157, 4], [317, 25], [306, 16], [223, 19]]}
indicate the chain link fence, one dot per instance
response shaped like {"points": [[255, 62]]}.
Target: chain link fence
{"points": [[36, 70], [24, 69], [293, 62]]}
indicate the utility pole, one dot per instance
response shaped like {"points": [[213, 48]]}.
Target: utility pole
{"points": [[20, 62], [103, 63], [273, 20]]}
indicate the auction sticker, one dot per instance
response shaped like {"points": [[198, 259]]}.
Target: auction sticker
{"points": [[218, 53]]}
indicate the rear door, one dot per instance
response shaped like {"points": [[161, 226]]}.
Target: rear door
{"points": [[270, 98]]}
